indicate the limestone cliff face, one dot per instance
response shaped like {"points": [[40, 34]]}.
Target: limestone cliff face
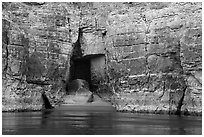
{"points": [[159, 46], [36, 49], [153, 50]]}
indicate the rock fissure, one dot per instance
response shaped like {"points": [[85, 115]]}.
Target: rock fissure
{"points": [[147, 30], [180, 103]]}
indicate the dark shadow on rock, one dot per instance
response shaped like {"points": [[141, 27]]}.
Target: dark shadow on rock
{"points": [[91, 98], [46, 102]]}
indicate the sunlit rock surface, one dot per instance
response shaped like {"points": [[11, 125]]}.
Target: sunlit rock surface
{"points": [[153, 52]]}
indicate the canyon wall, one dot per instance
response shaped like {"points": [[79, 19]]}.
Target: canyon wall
{"points": [[36, 48], [158, 45], [153, 52]]}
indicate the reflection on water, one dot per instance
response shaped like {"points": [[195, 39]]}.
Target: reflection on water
{"points": [[103, 122]]}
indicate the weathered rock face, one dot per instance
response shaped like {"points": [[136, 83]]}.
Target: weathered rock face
{"points": [[36, 46], [152, 50], [159, 46]]}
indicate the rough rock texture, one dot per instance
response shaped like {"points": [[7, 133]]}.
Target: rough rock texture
{"points": [[78, 93], [159, 47], [35, 49], [152, 51]]}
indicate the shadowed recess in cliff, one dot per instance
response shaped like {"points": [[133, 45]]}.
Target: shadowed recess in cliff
{"points": [[89, 68]]}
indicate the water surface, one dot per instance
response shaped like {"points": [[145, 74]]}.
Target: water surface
{"points": [[97, 121]]}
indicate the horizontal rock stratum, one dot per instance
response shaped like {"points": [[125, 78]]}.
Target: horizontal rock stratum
{"points": [[144, 56]]}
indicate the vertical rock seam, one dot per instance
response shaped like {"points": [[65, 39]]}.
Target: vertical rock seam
{"points": [[180, 103], [147, 24]]}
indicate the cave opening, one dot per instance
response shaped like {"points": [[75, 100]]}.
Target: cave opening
{"points": [[81, 69], [90, 68]]}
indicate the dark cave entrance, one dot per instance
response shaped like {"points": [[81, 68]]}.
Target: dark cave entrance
{"points": [[81, 69], [90, 68]]}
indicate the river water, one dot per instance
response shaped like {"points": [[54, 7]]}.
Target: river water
{"points": [[97, 121]]}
